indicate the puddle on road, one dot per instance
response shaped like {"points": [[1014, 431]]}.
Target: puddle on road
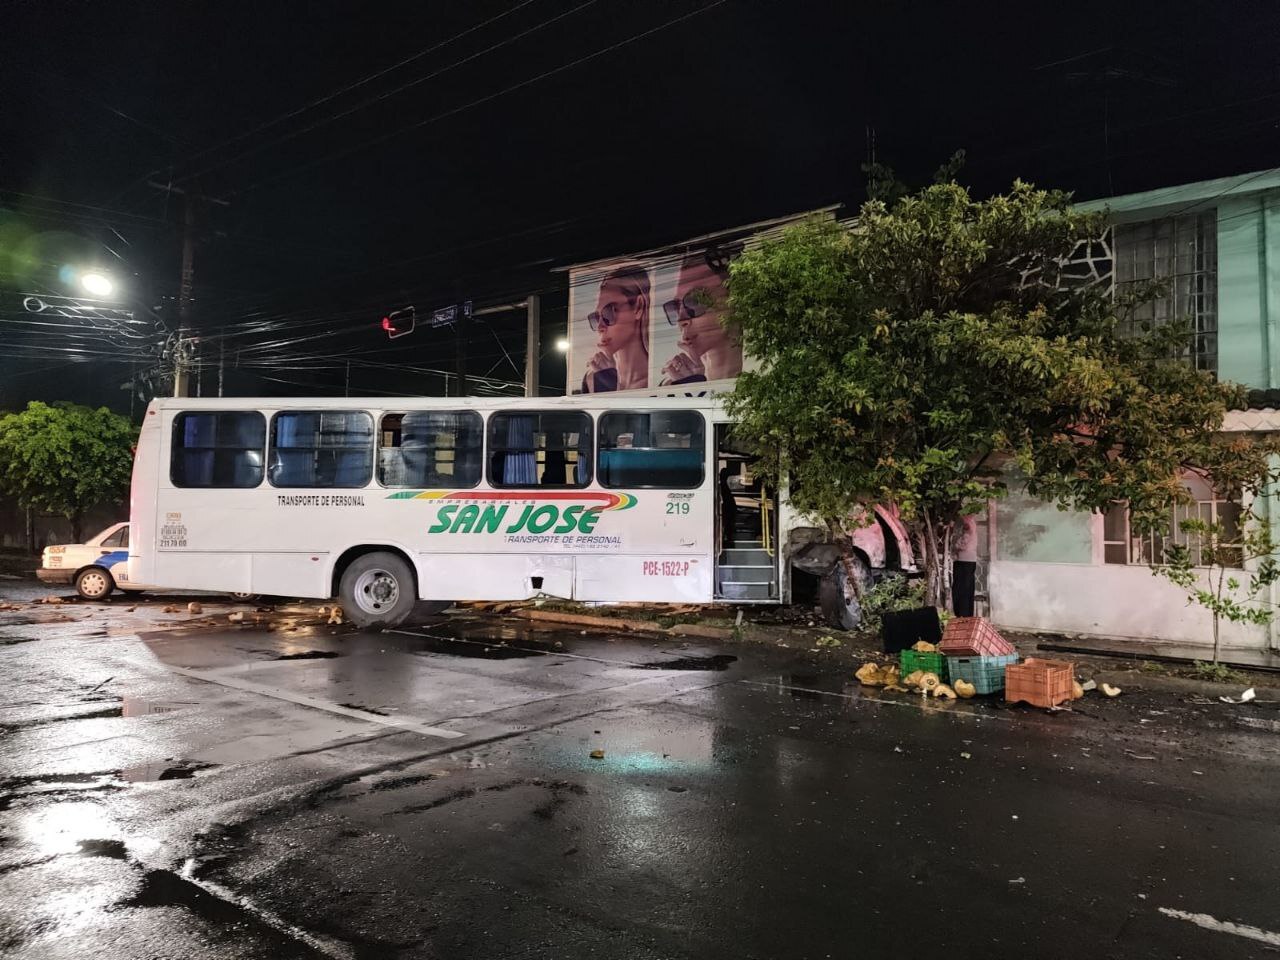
{"points": [[164, 770], [802, 686], [111, 849], [477, 649], [719, 661], [310, 655], [356, 706]]}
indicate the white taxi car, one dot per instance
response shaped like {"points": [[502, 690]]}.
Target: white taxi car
{"points": [[95, 567]]}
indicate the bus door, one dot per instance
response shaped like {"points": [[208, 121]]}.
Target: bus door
{"points": [[746, 525]]}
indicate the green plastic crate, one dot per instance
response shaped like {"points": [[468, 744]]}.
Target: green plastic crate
{"points": [[910, 661], [985, 673]]}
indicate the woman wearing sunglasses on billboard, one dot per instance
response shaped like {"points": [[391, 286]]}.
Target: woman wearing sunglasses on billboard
{"points": [[621, 324], [707, 350]]}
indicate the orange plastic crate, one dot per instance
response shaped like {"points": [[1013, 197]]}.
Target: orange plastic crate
{"points": [[1041, 683], [974, 637]]}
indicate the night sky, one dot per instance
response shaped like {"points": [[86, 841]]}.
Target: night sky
{"points": [[371, 156]]}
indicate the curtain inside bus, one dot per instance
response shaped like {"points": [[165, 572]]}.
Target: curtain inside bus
{"points": [[521, 466]]}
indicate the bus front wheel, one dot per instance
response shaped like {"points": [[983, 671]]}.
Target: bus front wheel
{"points": [[377, 590]]}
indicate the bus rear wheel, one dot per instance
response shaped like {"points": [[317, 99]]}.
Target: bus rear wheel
{"points": [[377, 591]]}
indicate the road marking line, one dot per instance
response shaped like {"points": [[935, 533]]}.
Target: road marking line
{"points": [[1224, 926], [248, 686]]}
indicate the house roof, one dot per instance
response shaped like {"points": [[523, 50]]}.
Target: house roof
{"points": [[1183, 198]]}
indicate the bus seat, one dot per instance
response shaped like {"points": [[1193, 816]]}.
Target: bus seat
{"points": [[627, 466]]}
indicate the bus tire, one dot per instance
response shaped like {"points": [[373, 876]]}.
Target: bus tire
{"points": [[377, 591], [94, 583]]}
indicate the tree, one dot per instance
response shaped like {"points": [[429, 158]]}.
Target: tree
{"points": [[64, 458], [903, 359]]}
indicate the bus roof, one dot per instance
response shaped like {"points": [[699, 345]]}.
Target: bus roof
{"points": [[591, 401]]}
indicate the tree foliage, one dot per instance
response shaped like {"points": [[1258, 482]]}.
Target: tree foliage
{"points": [[65, 458], [900, 360]]}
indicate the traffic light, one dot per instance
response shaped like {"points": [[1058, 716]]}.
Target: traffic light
{"points": [[399, 322]]}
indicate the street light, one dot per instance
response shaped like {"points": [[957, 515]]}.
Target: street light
{"points": [[97, 284], [562, 344]]}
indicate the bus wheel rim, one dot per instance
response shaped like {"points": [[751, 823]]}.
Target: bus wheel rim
{"points": [[376, 591]]}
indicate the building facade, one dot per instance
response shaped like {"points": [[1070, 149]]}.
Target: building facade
{"points": [[1216, 244]]}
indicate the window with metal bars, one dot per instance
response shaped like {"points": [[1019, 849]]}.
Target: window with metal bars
{"points": [[1182, 252], [1123, 544]]}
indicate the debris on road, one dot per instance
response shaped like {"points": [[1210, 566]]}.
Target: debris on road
{"points": [[944, 691], [335, 617], [869, 674], [965, 755], [194, 608], [1077, 690], [1109, 691], [597, 754], [1243, 698], [236, 617], [1089, 685], [964, 688], [1139, 756], [170, 609]]}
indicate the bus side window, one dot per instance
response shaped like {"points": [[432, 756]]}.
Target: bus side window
{"points": [[431, 448], [321, 448], [222, 449], [540, 449], [660, 448]]}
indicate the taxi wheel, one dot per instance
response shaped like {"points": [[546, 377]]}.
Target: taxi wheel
{"points": [[94, 583]]}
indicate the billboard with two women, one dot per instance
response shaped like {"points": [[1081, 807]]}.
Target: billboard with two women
{"points": [[650, 323]]}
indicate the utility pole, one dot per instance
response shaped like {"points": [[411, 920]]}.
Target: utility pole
{"points": [[222, 349], [183, 349], [181, 366], [532, 344]]}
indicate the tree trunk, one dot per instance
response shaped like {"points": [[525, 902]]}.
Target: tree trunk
{"points": [[31, 531], [1222, 572], [933, 538], [77, 524]]}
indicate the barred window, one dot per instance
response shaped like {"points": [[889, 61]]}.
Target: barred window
{"points": [[1183, 253], [1122, 544]]}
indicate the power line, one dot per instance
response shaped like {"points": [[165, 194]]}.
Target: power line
{"points": [[325, 121], [481, 100], [298, 111]]}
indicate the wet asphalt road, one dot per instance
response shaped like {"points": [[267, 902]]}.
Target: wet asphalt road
{"points": [[178, 786]]}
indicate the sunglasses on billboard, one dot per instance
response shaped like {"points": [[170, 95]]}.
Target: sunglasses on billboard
{"points": [[606, 316], [693, 304]]}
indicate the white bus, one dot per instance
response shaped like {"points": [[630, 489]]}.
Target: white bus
{"points": [[386, 502]]}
